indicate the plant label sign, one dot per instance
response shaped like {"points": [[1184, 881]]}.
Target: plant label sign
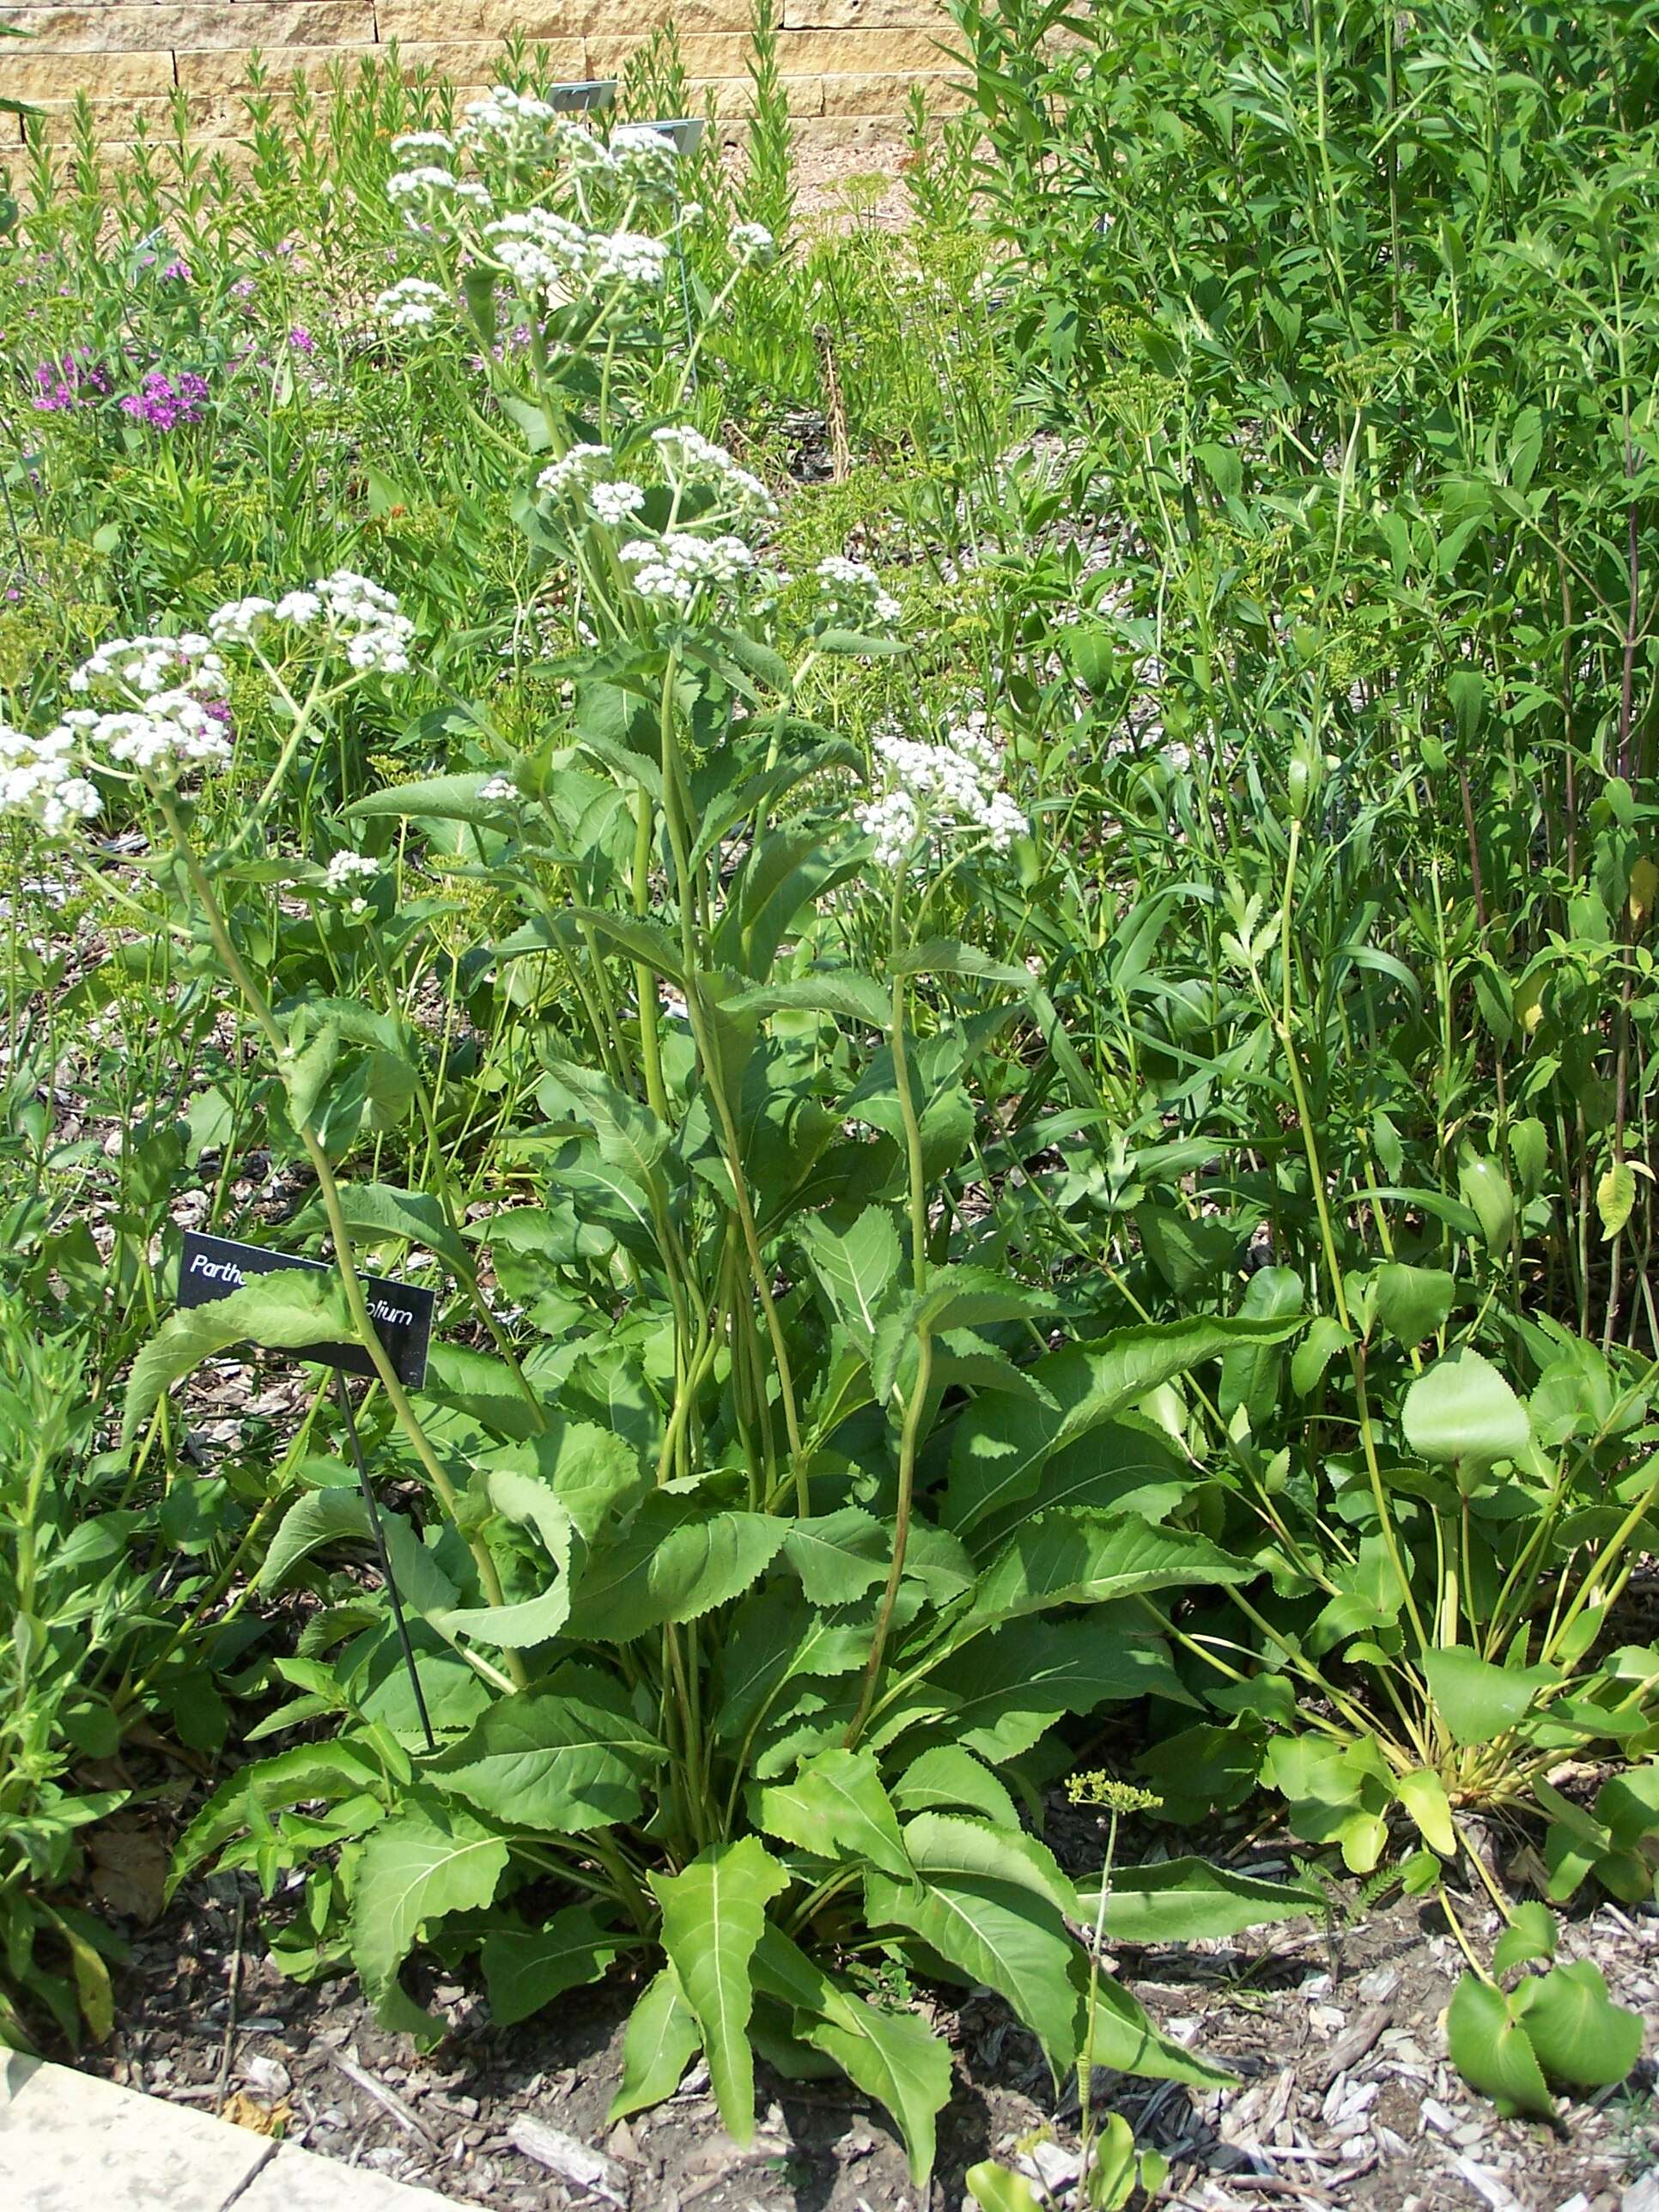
{"points": [[211, 1268]]}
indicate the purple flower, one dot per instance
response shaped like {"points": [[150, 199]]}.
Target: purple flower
{"points": [[77, 380], [243, 288], [177, 272], [162, 403], [301, 340]]}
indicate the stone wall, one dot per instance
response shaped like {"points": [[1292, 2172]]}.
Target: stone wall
{"points": [[848, 65]]}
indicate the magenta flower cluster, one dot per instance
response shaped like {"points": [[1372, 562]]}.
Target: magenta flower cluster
{"points": [[77, 380], [164, 403]]}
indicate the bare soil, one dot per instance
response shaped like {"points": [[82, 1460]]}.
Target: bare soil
{"points": [[1344, 2095]]}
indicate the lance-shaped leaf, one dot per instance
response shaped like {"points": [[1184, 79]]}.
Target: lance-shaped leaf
{"points": [[1075, 1557], [892, 2055], [675, 1561], [437, 799], [287, 1311], [713, 1914], [837, 1808], [998, 1928], [955, 1297], [659, 2042], [1000, 1445], [1187, 1901], [1126, 2040], [322, 1516], [565, 1758], [855, 1266]]}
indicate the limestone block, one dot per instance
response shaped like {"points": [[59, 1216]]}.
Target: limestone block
{"points": [[882, 136], [26, 74], [735, 95], [552, 19], [300, 2181], [225, 69], [867, 16], [53, 123], [476, 62], [848, 53], [72, 2141], [886, 92], [161, 24]]}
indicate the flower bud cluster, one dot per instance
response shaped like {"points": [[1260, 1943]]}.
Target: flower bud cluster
{"points": [[753, 241], [953, 786], [686, 453], [646, 161], [345, 874], [430, 195]]}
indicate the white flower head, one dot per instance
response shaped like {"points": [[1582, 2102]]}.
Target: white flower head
{"points": [[347, 870], [411, 304], [627, 257], [614, 503], [131, 669], [501, 790], [753, 242], [574, 471], [422, 142], [686, 453], [39, 784], [853, 591], [675, 568], [646, 160], [953, 787]]}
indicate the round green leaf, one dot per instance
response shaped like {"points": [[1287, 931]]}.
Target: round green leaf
{"points": [[1461, 1408]]}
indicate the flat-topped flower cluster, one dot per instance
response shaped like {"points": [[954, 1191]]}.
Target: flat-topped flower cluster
{"points": [[950, 789]]}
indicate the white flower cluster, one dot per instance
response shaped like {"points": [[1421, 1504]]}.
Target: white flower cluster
{"points": [[613, 504], [345, 872], [686, 452], [422, 142], [675, 568], [410, 304], [855, 591], [546, 253], [170, 732], [514, 124], [577, 469], [954, 785], [133, 668], [429, 195], [499, 790], [38, 780], [360, 615], [753, 241], [646, 161]]}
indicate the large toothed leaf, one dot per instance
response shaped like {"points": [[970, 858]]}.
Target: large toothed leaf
{"points": [[675, 1561], [1000, 1443], [1074, 1557], [430, 1861], [526, 1968], [837, 1807], [567, 1758], [713, 1917], [838, 1556], [855, 1266], [286, 1312]]}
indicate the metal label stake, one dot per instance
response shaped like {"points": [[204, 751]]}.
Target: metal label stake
{"points": [[383, 1556]]}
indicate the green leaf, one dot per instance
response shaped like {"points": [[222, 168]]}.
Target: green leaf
{"points": [[322, 1516], [1478, 1700], [949, 1778], [892, 2055], [1423, 1794], [1008, 1688], [855, 1266], [838, 1556], [999, 1445], [1531, 1935], [379, 1210], [1000, 1929], [659, 2043], [1413, 1302], [1490, 2049], [285, 1311], [1126, 2040], [435, 798], [713, 1917], [1076, 1557], [1462, 1409], [429, 1860], [560, 1760], [1579, 2034], [837, 1808], [1615, 1198], [1189, 1900], [526, 1968], [996, 2188], [675, 1561], [1249, 1373]]}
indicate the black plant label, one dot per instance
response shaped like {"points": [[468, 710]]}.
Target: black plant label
{"points": [[211, 1268]]}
